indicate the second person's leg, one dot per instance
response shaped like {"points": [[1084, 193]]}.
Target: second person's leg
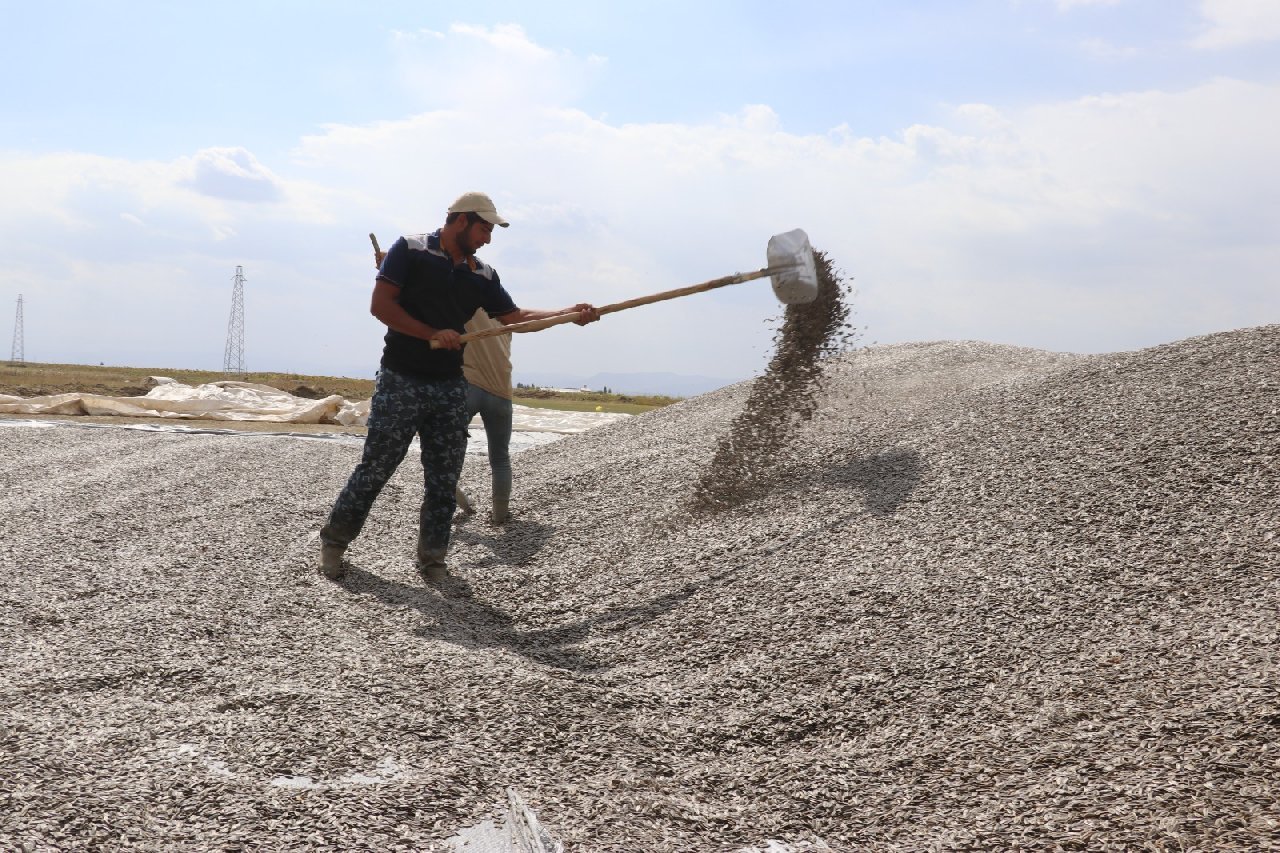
{"points": [[495, 414]]}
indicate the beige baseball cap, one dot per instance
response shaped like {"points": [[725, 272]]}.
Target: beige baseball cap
{"points": [[479, 204]]}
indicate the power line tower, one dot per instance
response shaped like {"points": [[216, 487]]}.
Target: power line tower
{"points": [[15, 354], [233, 360]]}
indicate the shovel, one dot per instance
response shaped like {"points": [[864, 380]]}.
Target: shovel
{"points": [[791, 272]]}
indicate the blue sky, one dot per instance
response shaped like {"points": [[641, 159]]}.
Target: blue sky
{"points": [[1072, 175]]}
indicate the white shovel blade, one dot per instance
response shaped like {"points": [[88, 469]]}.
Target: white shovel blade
{"points": [[794, 277]]}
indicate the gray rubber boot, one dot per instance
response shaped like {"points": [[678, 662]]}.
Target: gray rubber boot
{"points": [[431, 563], [501, 509], [331, 560]]}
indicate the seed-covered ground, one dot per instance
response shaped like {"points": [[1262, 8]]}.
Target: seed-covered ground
{"points": [[990, 599]]}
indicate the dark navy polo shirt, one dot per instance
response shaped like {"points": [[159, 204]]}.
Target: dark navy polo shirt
{"points": [[444, 296]]}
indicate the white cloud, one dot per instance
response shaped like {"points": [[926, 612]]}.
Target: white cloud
{"points": [[127, 262], [498, 67], [1231, 23], [232, 173]]}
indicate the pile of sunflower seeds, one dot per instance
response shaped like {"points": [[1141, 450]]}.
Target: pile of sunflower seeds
{"points": [[992, 599]]}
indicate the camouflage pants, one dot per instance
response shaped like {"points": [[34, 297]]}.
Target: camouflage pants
{"points": [[435, 410]]}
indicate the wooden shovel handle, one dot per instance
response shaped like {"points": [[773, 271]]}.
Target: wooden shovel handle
{"points": [[572, 316]]}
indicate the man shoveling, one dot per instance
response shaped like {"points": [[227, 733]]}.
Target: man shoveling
{"points": [[427, 288]]}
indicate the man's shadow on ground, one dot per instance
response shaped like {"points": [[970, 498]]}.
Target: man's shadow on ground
{"points": [[512, 544], [455, 615]]}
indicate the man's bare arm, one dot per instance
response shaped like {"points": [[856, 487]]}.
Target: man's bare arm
{"points": [[386, 307], [588, 312]]}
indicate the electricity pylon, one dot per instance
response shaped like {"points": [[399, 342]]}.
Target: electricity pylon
{"points": [[233, 360], [15, 354]]}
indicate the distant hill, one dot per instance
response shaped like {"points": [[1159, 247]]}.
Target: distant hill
{"points": [[667, 384]]}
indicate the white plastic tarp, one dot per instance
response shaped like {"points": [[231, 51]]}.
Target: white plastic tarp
{"points": [[247, 401], [215, 401]]}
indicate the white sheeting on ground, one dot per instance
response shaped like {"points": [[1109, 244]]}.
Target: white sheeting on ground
{"points": [[215, 401], [247, 401]]}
